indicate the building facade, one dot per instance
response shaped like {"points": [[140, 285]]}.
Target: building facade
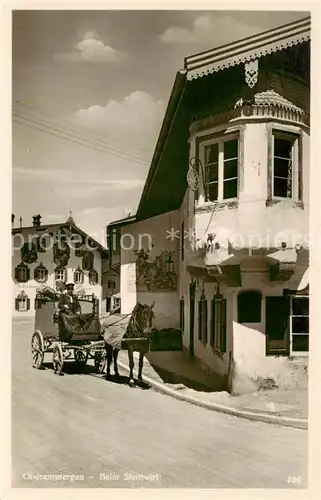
{"points": [[220, 240], [50, 255]]}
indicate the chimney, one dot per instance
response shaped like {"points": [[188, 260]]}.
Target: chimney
{"points": [[12, 219], [36, 220]]}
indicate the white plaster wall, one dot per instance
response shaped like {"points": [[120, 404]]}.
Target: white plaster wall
{"points": [[249, 348], [140, 235], [47, 259]]}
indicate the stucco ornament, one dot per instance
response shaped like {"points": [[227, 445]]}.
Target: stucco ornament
{"points": [[192, 174], [252, 73]]}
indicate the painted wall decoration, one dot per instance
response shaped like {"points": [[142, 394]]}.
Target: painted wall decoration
{"points": [[29, 253], [155, 275], [87, 260], [61, 253]]}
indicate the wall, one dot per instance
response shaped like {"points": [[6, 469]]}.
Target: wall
{"points": [[47, 260], [151, 236], [252, 220], [249, 343]]}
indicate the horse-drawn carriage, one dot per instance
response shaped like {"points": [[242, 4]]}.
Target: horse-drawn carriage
{"points": [[82, 345], [98, 338]]}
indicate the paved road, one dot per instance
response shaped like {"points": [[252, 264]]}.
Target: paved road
{"points": [[79, 424]]}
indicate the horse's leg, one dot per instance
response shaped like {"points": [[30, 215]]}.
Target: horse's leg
{"points": [[115, 356], [109, 355], [131, 367], [141, 363]]}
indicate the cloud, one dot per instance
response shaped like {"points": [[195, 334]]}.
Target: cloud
{"points": [[209, 28], [92, 50], [134, 122]]}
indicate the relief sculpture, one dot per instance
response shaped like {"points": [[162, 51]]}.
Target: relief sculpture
{"points": [[157, 274]]}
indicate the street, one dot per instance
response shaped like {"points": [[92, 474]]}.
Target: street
{"points": [[100, 433]]}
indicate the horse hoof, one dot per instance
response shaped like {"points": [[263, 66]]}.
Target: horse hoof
{"points": [[107, 376], [116, 374], [132, 382]]}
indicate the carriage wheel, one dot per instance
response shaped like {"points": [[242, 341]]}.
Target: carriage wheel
{"points": [[100, 362], [58, 358], [37, 349], [81, 358]]}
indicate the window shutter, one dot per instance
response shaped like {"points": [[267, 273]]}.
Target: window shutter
{"points": [[223, 326], [182, 311], [17, 304], [200, 320], [28, 274], [213, 324], [28, 304], [17, 274], [205, 321]]}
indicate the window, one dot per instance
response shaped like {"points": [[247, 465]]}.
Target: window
{"points": [[41, 273], [202, 320], [22, 302], [111, 284], [61, 274], [276, 325], [218, 323], [220, 160], [285, 165], [78, 276], [182, 314], [299, 325], [249, 307], [117, 302], [22, 273], [93, 277]]}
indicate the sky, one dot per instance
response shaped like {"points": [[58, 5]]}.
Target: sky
{"points": [[89, 91]]}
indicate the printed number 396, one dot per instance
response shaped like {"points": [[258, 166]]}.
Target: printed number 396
{"points": [[294, 479]]}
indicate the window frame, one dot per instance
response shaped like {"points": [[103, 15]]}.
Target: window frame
{"points": [[22, 273], [90, 279], [78, 276], [59, 270], [111, 287], [22, 298], [292, 297], [294, 134], [220, 139], [251, 293]]}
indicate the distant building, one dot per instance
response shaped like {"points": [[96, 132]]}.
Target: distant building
{"points": [[53, 254], [226, 205]]}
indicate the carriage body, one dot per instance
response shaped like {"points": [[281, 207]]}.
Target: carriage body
{"points": [[47, 313], [82, 344]]}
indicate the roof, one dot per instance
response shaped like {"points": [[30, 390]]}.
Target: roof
{"points": [[247, 49], [272, 98], [121, 222], [62, 225], [192, 97]]}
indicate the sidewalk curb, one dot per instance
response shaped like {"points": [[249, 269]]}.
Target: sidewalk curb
{"points": [[297, 423]]}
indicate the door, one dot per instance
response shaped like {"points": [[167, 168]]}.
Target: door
{"points": [[191, 317]]}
